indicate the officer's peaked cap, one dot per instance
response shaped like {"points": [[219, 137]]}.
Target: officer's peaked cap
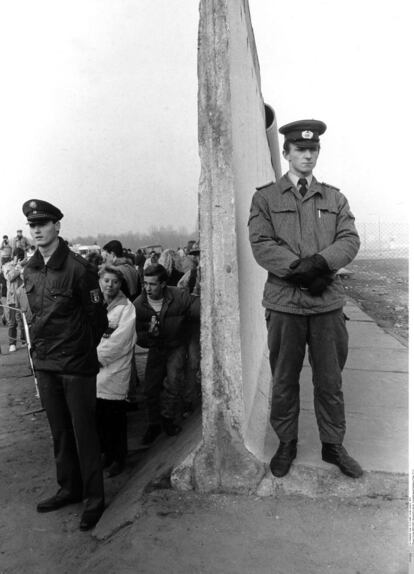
{"points": [[303, 132], [39, 210]]}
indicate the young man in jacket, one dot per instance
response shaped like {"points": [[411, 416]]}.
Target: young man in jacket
{"points": [[68, 321], [302, 232], [163, 316]]}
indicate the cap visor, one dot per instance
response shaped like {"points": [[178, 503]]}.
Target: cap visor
{"points": [[40, 217], [303, 144]]}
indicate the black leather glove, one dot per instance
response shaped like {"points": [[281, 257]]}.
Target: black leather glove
{"points": [[305, 270], [318, 285]]}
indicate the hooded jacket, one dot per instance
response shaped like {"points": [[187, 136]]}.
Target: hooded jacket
{"points": [[68, 316], [116, 349]]}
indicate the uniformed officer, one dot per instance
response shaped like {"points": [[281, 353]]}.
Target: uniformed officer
{"points": [[68, 322], [302, 232]]}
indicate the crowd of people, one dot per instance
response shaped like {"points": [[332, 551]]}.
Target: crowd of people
{"points": [[87, 315], [128, 299], [152, 302]]}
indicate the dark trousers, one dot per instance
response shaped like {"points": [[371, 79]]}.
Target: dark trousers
{"points": [[192, 391], [164, 382], [112, 429], [70, 401], [15, 320], [327, 340]]}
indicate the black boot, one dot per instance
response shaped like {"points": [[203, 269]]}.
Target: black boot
{"points": [[169, 426], [116, 468], [152, 432], [285, 455], [336, 454]]}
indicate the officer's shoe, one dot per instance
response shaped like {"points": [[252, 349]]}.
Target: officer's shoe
{"points": [[283, 458], [336, 454], [115, 468], [152, 432], [90, 518], [56, 502], [169, 426]]}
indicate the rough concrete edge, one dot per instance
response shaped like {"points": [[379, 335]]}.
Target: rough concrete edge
{"points": [[158, 463], [319, 482], [182, 475]]}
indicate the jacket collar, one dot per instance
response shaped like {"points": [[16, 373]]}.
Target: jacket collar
{"points": [[56, 261], [120, 299], [286, 184], [167, 296]]}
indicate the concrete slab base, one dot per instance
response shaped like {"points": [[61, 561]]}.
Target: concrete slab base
{"points": [[317, 481]]}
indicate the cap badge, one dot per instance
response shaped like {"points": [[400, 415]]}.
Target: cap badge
{"points": [[33, 205], [307, 135]]}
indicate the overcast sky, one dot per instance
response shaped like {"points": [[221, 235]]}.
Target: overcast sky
{"points": [[99, 104]]}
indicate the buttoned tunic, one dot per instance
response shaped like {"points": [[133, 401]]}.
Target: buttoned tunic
{"points": [[285, 226]]}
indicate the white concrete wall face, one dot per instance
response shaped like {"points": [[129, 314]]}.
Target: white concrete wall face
{"points": [[252, 168]]}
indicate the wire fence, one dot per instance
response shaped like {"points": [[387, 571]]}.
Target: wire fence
{"points": [[383, 240]]}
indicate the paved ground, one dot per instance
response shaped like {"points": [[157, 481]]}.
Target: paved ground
{"points": [[191, 533]]}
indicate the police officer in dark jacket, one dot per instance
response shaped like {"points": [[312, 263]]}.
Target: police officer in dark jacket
{"points": [[68, 322]]}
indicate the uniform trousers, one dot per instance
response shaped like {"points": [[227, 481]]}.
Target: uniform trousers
{"points": [[327, 339], [70, 404], [164, 382]]}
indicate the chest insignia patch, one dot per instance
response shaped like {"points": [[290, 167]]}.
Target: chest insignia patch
{"points": [[95, 295]]}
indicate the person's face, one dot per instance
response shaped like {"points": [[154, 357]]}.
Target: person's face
{"points": [[110, 285], [21, 261], [153, 287], [44, 233], [19, 233], [195, 260], [301, 160]]}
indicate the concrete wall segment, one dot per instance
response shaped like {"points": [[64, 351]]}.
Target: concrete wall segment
{"points": [[222, 462], [235, 160]]}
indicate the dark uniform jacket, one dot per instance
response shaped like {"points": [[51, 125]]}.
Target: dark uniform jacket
{"points": [[284, 226], [178, 310], [69, 318]]}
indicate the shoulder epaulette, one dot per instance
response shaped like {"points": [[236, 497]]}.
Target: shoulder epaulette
{"points": [[79, 258], [330, 186], [266, 185]]}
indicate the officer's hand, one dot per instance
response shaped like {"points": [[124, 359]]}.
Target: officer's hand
{"points": [[305, 270], [318, 285]]}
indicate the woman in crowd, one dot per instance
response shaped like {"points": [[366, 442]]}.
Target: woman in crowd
{"points": [[168, 261], [115, 354]]}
